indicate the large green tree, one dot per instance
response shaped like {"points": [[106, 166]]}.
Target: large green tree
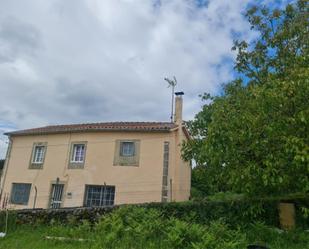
{"points": [[254, 138]]}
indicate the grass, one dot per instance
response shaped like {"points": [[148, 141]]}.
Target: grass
{"points": [[27, 237], [141, 228]]}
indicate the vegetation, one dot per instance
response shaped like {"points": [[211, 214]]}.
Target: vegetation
{"points": [[234, 210], [138, 227], [254, 139]]}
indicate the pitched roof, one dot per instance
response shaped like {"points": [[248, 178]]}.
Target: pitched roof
{"points": [[92, 127]]}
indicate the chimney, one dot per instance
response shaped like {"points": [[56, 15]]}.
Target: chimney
{"points": [[178, 108]]}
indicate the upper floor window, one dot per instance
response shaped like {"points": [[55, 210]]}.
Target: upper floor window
{"points": [[77, 155], [127, 148], [127, 153], [38, 155], [20, 193]]}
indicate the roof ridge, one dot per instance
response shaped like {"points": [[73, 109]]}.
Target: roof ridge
{"points": [[102, 126], [113, 122]]}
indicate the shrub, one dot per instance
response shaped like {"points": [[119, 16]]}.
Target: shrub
{"points": [[12, 218], [234, 213], [147, 228]]}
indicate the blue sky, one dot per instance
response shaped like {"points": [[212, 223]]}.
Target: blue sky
{"points": [[90, 60]]}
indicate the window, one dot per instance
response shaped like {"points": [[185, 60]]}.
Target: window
{"points": [[38, 155], [20, 193], [127, 149], [127, 153], [99, 195], [78, 154]]}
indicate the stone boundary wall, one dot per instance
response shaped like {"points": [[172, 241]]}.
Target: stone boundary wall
{"points": [[62, 215], [234, 212]]}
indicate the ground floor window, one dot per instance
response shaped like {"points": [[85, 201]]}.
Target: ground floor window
{"points": [[20, 193], [99, 195]]}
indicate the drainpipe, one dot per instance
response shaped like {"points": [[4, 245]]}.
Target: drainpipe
{"points": [[35, 195]]}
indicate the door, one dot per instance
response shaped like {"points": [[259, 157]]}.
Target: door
{"points": [[56, 195]]}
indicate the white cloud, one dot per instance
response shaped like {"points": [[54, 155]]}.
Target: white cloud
{"points": [[84, 61]]}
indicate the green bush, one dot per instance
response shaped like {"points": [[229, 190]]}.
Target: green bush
{"points": [[12, 217], [259, 233], [148, 228], [234, 210], [131, 227], [234, 213]]}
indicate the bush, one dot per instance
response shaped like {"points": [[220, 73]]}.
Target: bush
{"points": [[12, 217], [259, 233], [148, 228], [234, 210], [234, 213]]}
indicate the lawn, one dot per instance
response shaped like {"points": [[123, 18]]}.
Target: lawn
{"points": [[27, 237]]}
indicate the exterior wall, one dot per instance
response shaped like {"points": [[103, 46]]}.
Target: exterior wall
{"points": [[181, 170], [134, 184]]}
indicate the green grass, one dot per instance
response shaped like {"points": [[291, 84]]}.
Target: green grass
{"points": [[144, 228], [26, 237]]}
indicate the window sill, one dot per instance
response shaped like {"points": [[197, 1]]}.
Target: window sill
{"points": [[126, 161], [19, 204], [126, 165], [73, 165], [36, 166]]}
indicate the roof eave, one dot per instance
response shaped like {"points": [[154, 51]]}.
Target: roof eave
{"points": [[82, 131]]}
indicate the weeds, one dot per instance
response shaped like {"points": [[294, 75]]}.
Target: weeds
{"points": [[139, 228]]}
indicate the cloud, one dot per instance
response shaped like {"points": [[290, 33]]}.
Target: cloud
{"points": [[92, 60], [14, 43]]}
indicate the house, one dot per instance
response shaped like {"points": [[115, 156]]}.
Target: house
{"points": [[97, 164]]}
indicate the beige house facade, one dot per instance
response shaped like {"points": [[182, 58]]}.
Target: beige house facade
{"points": [[99, 164]]}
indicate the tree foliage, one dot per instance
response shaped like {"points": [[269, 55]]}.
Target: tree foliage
{"points": [[255, 137], [282, 43]]}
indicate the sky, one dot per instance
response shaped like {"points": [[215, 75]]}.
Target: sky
{"points": [[79, 61]]}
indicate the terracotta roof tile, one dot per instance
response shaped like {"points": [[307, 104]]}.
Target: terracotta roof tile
{"points": [[109, 126]]}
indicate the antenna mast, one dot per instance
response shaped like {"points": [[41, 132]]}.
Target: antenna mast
{"points": [[172, 83]]}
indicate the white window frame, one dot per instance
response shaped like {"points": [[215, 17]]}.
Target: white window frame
{"points": [[36, 153], [74, 151]]}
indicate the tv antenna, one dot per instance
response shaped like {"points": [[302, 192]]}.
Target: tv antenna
{"points": [[172, 83]]}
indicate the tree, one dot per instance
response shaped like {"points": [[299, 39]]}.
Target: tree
{"points": [[281, 47], [254, 138]]}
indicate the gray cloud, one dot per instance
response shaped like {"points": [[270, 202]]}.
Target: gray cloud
{"points": [[17, 39], [92, 60]]}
